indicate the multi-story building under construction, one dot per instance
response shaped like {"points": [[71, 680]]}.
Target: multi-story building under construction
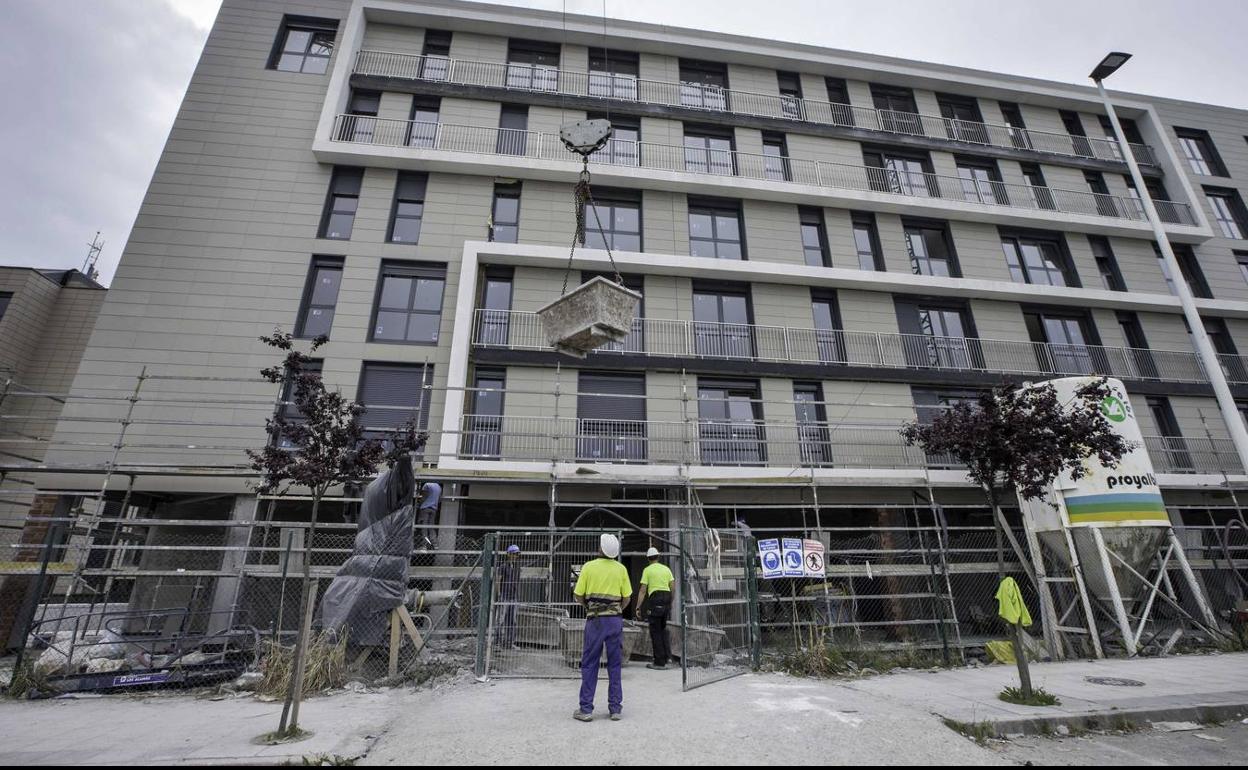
{"points": [[828, 244]]}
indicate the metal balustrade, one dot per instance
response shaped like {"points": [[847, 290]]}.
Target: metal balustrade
{"points": [[628, 88], [386, 132], [515, 330]]}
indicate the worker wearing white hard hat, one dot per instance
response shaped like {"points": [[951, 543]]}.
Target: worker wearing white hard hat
{"points": [[656, 586], [603, 589]]}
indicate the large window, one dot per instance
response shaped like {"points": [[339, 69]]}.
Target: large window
{"points": [[483, 424], [1197, 148], [708, 151], [409, 303], [890, 171], [897, 110], [1066, 342], [505, 215], [1041, 195], [394, 395], [1018, 128], [624, 146], [1106, 263], [790, 86], [963, 120], [703, 85], [1038, 260], [1228, 211], [829, 340], [495, 304], [1105, 203], [838, 96], [6, 297], [936, 335], [814, 237], [981, 182], [533, 65], [1190, 268], [1078, 137], [409, 207], [611, 416], [436, 52], [722, 325], [614, 220], [613, 74], [931, 250], [813, 440], [362, 123], [867, 241], [1172, 446], [422, 131], [513, 125], [715, 229], [730, 417], [930, 403], [304, 44], [341, 203], [320, 297], [776, 165]]}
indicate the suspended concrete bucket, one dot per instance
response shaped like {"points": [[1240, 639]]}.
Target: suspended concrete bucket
{"points": [[596, 313]]}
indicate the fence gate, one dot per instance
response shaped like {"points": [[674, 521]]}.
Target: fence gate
{"points": [[716, 634], [528, 625]]}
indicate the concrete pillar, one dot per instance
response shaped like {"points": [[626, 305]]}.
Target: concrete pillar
{"points": [[225, 594]]}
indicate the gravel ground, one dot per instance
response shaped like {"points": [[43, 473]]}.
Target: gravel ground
{"points": [[1225, 745]]}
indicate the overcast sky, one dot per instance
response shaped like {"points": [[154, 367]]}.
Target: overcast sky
{"points": [[91, 87]]}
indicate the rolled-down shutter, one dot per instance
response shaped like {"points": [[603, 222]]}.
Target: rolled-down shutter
{"points": [[391, 394], [611, 397]]}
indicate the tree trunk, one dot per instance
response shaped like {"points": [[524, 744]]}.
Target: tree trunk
{"points": [[1016, 632], [294, 693]]}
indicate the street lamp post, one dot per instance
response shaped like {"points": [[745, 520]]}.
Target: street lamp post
{"points": [[1204, 348]]}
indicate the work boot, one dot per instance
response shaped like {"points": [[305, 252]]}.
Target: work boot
{"points": [[657, 667], [581, 716], [615, 716]]}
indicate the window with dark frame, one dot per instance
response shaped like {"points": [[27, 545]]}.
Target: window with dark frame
{"points": [[320, 298], [931, 249], [409, 303], [1105, 202], [723, 321], [826, 313], [1106, 263], [341, 203], [287, 410], [897, 110], [505, 214], [513, 129], [1198, 150], [814, 237], [937, 333], [838, 98], [1070, 342], [613, 74], [811, 416], [304, 44], [614, 220], [1190, 268], [624, 146], [899, 172], [730, 417], [1173, 446], [963, 120], [1041, 195], [790, 86], [423, 122], [867, 241], [1241, 258], [533, 65], [392, 395], [1228, 211], [930, 403], [1078, 137], [716, 229], [495, 307], [776, 164], [703, 85], [1019, 137], [361, 123], [981, 181], [1038, 260], [6, 298], [484, 422], [709, 150], [409, 207], [435, 53], [611, 416], [1156, 191]]}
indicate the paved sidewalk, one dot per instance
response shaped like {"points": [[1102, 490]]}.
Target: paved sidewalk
{"points": [[1189, 687]]}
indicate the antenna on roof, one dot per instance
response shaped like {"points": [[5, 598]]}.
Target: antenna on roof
{"points": [[93, 255]]}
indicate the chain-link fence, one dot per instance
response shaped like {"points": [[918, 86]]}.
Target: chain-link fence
{"points": [[717, 635]]}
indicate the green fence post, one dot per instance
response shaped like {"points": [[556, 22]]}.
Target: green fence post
{"points": [[486, 603], [751, 589]]}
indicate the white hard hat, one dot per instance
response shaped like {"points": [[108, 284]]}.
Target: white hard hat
{"points": [[651, 552], [610, 545]]}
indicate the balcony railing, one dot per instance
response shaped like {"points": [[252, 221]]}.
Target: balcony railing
{"points": [[820, 444], [515, 330], [628, 88], [731, 163], [1234, 367]]}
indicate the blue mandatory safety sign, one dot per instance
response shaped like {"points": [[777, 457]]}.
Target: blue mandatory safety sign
{"points": [[769, 556], [793, 557]]}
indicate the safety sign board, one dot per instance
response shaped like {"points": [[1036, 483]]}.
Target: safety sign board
{"points": [[769, 557], [793, 557], [812, 558]]}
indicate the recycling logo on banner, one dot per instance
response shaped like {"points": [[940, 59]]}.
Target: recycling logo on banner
{"points": [[769, 556]]}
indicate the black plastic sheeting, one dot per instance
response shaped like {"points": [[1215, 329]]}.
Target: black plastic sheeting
{"points": [[373, 581]]}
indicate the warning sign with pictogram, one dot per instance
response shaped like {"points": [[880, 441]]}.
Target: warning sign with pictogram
{"points": [[769, 557], [793, 557], [812, 558]]}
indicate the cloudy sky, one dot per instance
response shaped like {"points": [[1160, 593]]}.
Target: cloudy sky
{"points": [[92, 86]]}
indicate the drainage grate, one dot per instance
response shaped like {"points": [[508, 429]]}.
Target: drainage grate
{"points": [[1113, 681]]}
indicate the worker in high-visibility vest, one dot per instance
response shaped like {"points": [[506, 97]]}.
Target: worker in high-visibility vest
{"points": [[654, 603], [603, 589]]}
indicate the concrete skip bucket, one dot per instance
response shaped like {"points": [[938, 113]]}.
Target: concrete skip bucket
{"points": [[593, 314]]}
